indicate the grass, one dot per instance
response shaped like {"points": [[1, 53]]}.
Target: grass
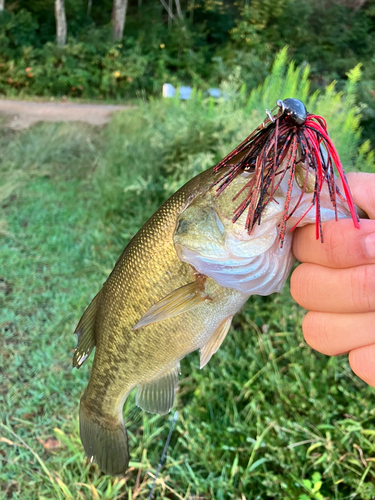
{"points": [[267, 418]]}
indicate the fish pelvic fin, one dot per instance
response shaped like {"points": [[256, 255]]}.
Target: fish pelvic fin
{"points": [[158, 395], [104, 443], [214, 342], [181, 300], [85, 332]]}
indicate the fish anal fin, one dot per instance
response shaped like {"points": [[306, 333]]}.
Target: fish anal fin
{"points": [[157, 396], [214, 342], [179, 301], [85, 332]]}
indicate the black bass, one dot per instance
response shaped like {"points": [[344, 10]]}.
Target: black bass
{"points": [[178, 284]]}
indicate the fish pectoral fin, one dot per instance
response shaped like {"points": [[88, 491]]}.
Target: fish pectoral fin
{"points": [[179, 301], [86, 333], [214, 342], [158, 395]]}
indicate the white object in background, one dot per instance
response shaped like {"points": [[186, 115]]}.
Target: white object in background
{"points": [[185, 92], [216, 93], [168, 90]]}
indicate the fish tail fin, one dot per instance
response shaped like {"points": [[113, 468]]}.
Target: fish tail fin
{"points": [[106, 445]]}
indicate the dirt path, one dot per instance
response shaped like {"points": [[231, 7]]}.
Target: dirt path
{"points": [[22, 114]]}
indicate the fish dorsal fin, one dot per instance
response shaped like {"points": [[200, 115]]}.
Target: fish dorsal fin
{"points": [[86, 333], [215, 341], [158, 395], [180, 300]]}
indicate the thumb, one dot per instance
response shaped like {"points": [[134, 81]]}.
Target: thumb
{"points": [[362, 186]]}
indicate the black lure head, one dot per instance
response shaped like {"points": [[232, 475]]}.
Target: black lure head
{"points": [[293, 110], [290, 137]]}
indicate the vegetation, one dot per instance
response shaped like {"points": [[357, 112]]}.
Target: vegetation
{"points": [[267, 418], [196, 43]]}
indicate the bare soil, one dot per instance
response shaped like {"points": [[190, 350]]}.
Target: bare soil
{"points": [[23, 114]]}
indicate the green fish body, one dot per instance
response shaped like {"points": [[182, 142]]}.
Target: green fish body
{"points": [[174, 290]]}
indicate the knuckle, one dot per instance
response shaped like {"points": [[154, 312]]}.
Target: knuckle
{"points": [[335, 244], [362, 288]]}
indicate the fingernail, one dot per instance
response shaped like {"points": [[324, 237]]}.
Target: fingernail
{"points": [[369, 244]]}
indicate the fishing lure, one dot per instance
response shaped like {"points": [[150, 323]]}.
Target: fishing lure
{"points": [[289, 138]]}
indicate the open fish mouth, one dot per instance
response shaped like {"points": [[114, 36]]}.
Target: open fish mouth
{"points": [[216, 245]]}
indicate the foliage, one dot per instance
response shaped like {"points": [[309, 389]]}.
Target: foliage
{"points": [[274, 418], [181, 139], [332, 37], [210, 41], [312, 487], [92, 66]]}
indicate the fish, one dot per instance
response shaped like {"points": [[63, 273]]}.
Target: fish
{"points": [[178, 284]]}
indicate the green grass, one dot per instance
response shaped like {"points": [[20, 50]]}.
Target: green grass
{"points": [[267, 418]]}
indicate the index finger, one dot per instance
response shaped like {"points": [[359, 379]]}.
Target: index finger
{"points": [[343, 246]]}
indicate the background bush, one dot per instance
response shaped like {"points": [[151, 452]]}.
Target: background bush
{"points": [[210, 42]]}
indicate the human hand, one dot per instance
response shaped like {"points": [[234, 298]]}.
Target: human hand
{"points": [[336, 283]]}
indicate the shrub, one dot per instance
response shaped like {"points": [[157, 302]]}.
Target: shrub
{"points": [[92, 66], [168, 141]]}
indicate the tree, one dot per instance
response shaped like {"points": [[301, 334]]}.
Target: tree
{"points": [[118, 18], [60, 22]]}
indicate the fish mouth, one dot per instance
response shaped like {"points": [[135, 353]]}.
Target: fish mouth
{"points": [[291, 144], [207, 238]]}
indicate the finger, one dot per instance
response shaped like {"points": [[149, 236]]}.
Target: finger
{"points": [[323, 289], [335, 334], [362, 186], [343, 245], [362, 363]]}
